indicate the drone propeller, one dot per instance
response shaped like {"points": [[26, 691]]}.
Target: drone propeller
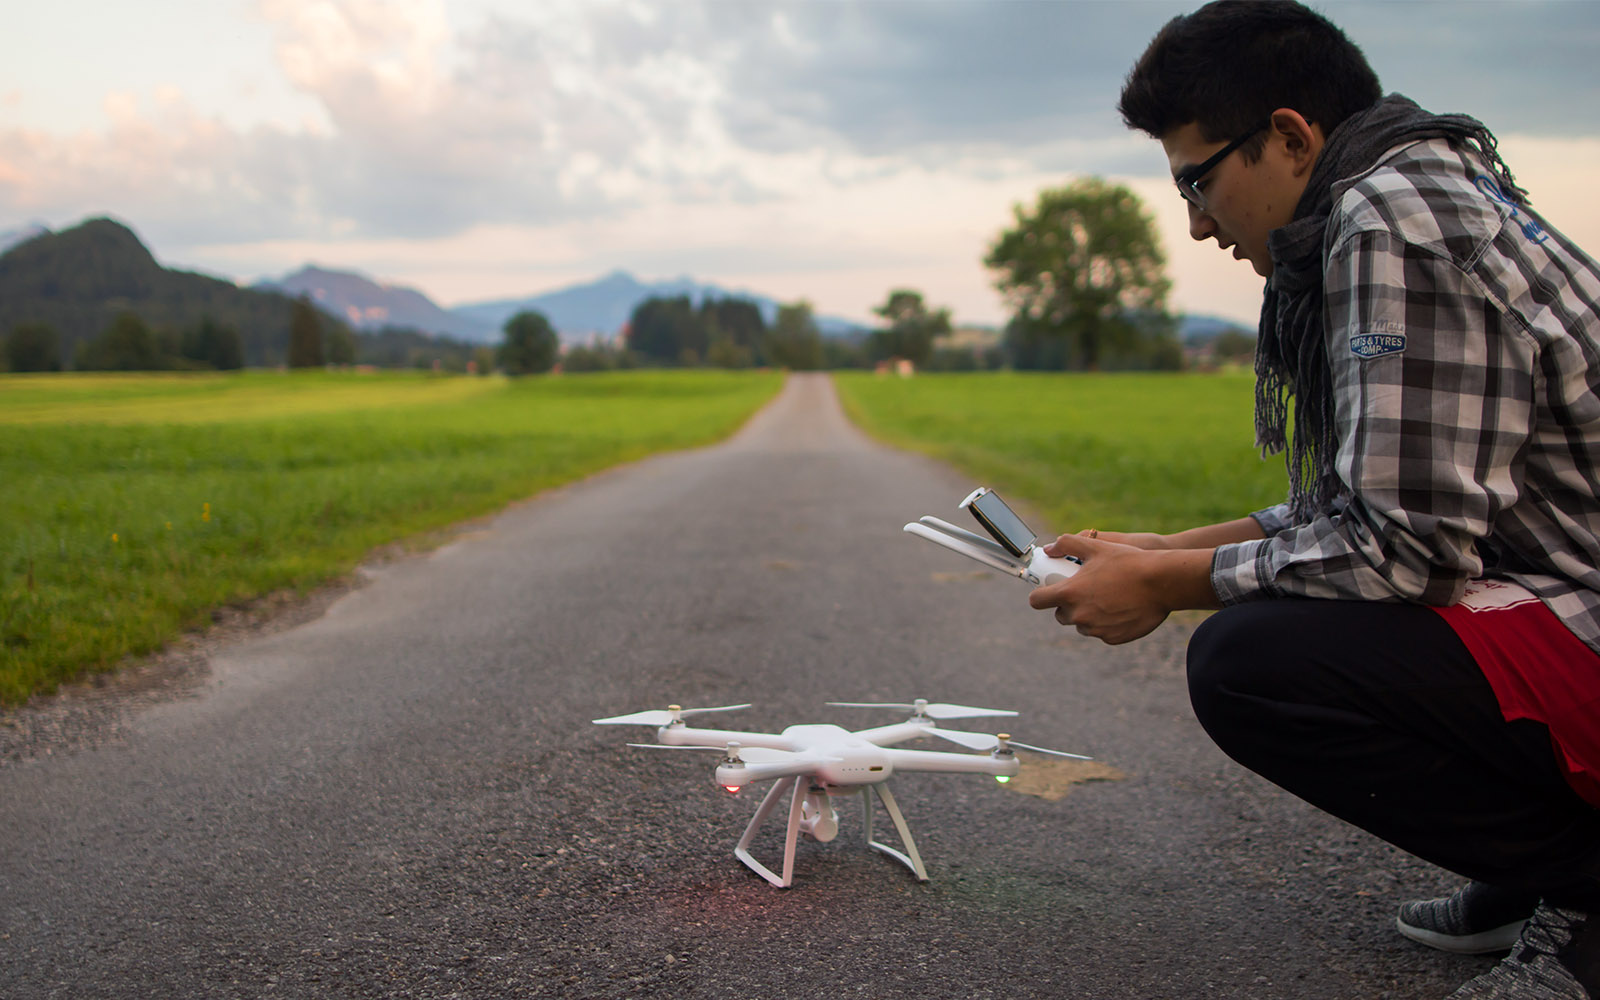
{"points": [[662, 717], [983, 741], [921, 709], [733, 751]]}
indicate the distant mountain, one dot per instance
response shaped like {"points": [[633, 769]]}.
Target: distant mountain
{"points": [[79, 279], [1198, 329], [604, 305], [371, 305]]}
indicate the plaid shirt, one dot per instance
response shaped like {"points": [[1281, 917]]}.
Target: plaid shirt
{"points": [[1464, 339]]}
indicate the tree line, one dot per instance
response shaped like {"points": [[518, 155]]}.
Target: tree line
{"points": [[129, 343], [1081, 269], [731, 332]]}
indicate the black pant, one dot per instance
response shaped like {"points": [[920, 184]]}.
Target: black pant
{"points": [[1377, 713]]}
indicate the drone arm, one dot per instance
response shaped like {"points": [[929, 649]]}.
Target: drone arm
{"points": [[749, 773], [953, 763], [885, 736], [687, 736]]}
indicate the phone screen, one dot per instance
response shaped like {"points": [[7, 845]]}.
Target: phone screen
{"points": [[1002, 522]]}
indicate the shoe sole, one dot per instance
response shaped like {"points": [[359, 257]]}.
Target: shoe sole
{"points": [[1483, 943]]}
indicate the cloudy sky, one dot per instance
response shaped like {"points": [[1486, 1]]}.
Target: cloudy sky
{"points": [[831, 151]]}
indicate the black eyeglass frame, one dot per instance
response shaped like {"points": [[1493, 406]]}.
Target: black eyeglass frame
{"points": [[1188, 180]]}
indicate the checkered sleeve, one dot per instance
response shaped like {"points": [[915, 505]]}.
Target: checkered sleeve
{"points": [[1273, 519], [1432, 393]]}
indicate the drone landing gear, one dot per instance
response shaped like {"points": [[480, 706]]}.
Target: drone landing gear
{"points": [[911, 859], [813, 816]]}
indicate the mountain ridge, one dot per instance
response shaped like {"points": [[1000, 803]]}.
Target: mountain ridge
{"points": [[370, 304], [15, 237], [602, 306], [79, 279], [579, 312]]}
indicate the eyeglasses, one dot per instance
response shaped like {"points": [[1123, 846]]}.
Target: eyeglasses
{"points": [[1189, 180]]}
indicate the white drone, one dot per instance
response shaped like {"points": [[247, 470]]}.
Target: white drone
{"points": [[833, 761]]}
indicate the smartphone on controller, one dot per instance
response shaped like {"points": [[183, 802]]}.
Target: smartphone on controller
{"points": [[1000, 521]]}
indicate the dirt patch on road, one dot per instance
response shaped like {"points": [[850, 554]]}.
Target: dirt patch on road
{"points": [[1051, 780]]}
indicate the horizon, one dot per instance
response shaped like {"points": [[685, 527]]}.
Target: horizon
{"points": [[481, 150], [642, 280]]}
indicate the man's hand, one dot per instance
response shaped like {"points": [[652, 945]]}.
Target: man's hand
{"points": [[1138, 539], [1124, 591]]}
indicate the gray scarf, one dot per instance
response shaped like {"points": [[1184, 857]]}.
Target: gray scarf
{"points": [[1291, 357]]}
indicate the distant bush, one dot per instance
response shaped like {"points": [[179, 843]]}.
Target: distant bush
{"points": [[213, 344], [954, 359], [482, 360], [587, 359], [1234, 345], [33, 347], [396, 347], [126, 345], [340, 345]]}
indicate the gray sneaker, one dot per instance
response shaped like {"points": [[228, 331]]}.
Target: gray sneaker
{"points": [[1556, 958], [1477, 919]]}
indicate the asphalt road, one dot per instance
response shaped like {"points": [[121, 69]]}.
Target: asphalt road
{"points": [[404, 797]]}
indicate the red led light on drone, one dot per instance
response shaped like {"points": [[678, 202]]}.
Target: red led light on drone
{"points": [[731, 789]]}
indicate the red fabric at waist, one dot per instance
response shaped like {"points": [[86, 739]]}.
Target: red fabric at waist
{"points": [[1539, 670]]}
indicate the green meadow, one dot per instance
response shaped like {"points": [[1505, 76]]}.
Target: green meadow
{"points": [[1131, 452], [133, 506]]}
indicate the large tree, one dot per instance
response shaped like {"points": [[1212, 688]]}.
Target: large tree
{"points": [[1084, 266], [794, 341], [734, 332], [530, 345], [668, 331], [912, 327]]}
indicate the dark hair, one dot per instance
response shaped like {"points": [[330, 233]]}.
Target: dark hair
{"points": [[1231, 63]]}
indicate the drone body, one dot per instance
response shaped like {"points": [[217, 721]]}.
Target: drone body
{"points": [[813, 763], [832, 755]]}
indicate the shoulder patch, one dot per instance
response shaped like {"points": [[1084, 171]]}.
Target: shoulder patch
{"points": [[1379, 343]]}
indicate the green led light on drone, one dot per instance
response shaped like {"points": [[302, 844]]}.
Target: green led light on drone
{"points": [[1002, 778]]}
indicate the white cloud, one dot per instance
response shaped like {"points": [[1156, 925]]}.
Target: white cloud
{"points": [[368, 59]]}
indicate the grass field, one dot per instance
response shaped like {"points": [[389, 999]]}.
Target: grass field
{"points": [[133, 506], [1136, 452]]}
